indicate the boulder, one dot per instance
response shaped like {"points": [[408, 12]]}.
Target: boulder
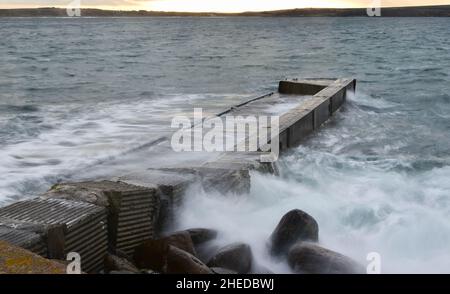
{"points": [[122, 254], [223, 271], [206, 251], [116, 263], [294, 226], [148, 272], [200, 235], [181, 262], [309, 258], [152, 254], [236, 257], [181, 240]]}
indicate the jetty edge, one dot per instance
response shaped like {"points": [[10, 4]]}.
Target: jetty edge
{"points": [[93, 218]]}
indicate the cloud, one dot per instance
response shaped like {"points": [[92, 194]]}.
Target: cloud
{"points": [[84, 3], [214, 5]]}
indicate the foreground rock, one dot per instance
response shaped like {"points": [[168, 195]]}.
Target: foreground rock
{"points": [[236, 257], [309, 258], [200, 235], [15, 260], [294, 226], [206, 251], [118, 264], [181, 240], [152, 254], [181, 262], [223, 271]]}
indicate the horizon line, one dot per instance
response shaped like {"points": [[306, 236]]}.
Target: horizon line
{"points": [[221, 12]]}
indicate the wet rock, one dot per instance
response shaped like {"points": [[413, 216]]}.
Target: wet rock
{"points": [[309, 258], [148, 272], [236, 257], [181, 262], [116, 263], [223, 271], [201, 235], [152, 254], [123, 255], [181, 240], [294, 226], [206, 251]]}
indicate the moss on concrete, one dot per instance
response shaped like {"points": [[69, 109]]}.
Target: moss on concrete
{"points": [[15, 260]]}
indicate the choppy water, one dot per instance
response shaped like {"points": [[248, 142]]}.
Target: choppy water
{"points": [[74, 92]]}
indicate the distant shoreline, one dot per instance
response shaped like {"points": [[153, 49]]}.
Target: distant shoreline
{"points": [[420, 11]]}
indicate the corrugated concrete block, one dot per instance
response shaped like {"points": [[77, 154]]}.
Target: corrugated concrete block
{"points": [[337, 100], [26, 238], [70, 226], [170, 184], [300, 129], [322, 113], [132, 210]]}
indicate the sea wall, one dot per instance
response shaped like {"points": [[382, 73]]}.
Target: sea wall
{"points": [[116, 215]]}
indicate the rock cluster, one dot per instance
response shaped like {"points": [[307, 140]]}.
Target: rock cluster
{"points": [[294, 239]]}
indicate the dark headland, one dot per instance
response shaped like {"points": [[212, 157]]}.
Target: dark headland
{"points": [[420, 11]]}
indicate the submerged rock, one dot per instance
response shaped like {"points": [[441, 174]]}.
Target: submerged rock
{"points": [[116, 263], [294, 226], [181, 262], [236, 257], [201, 235], [310, 258]]}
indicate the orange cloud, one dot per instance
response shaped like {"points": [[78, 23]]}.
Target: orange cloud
{"points": [[216, 5]]}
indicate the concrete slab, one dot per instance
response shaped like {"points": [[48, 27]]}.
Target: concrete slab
{"points": [[132, 210], [70, 226]]}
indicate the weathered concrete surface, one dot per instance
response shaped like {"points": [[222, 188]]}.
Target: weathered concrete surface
{"points": [[132, 210], [303, 86], [72, 216], [67, 226], [170, 186], [16, 260], [308, 116], [24, 236]]}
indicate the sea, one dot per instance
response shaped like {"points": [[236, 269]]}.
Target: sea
{"points": [[77, 93]]}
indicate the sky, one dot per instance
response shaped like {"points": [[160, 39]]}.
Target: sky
{"points": [[214, 5]]}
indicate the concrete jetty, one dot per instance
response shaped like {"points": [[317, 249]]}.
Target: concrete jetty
{"points": [[96, 217]]}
